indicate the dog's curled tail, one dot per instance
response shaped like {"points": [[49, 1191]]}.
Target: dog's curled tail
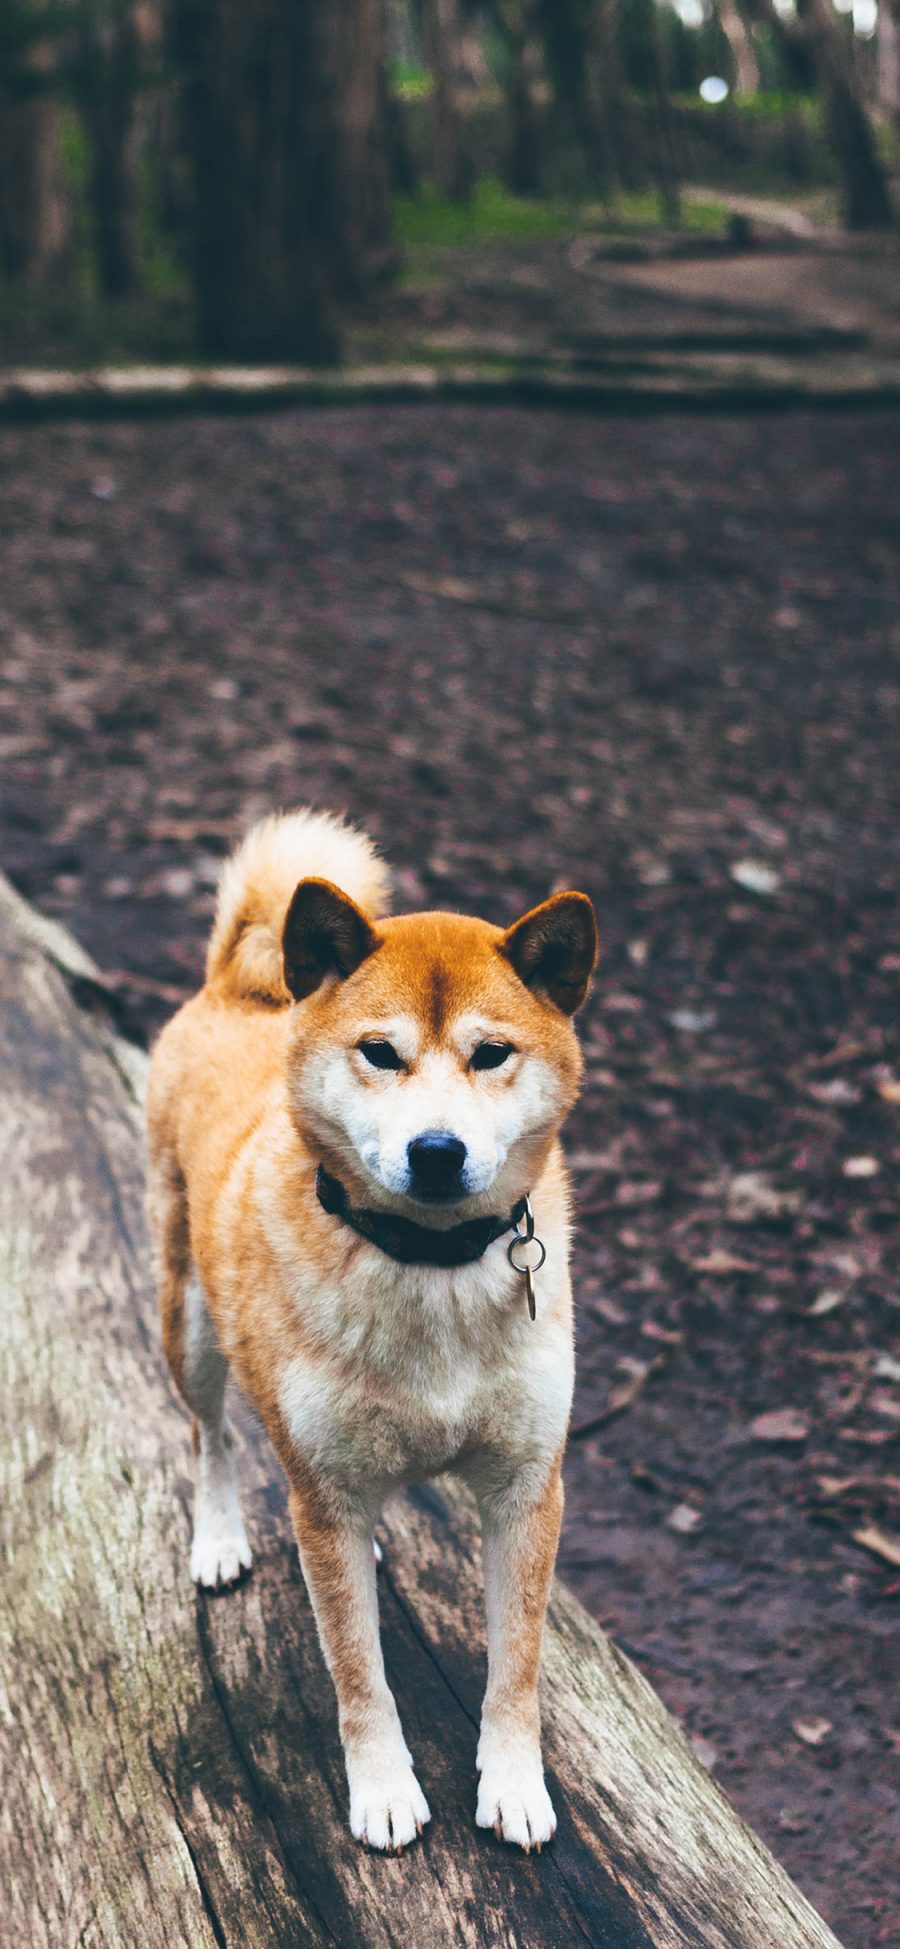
{"points": [[245, 957]]}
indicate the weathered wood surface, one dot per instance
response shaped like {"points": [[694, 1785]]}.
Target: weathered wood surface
{"points": [[170, 1765]]}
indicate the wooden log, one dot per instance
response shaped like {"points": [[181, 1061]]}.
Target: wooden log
{"points": [[170, 1762], [663, 379]]}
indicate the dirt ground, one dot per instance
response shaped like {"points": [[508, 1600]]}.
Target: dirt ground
{"points": [[821, 312], [657, 659]]}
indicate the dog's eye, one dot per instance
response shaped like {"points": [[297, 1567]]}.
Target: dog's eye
{"points": [[381, 1055], [491, 1055]]}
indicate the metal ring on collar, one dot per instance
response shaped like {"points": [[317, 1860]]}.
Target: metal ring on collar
{"points": [[519, 1240]]}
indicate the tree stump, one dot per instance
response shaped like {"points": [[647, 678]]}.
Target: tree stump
{"points": [[170, 1762]]}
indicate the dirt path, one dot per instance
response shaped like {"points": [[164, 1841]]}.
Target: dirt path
{"points": [[829, 305], [658, 660]]}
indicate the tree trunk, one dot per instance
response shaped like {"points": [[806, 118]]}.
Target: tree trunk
{"points": [[107, 80], [402, 167], [524, 165], [351, 40], [285, 131], [867, 200], [663, 156], [667, 160], [34, 214], [453, 173], [34, 205], [170, 1761], [866, 195], [572, 32], [744, 64], [618, 122], [888, 61]]}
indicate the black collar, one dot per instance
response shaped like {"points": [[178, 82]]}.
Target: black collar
{"points": [[414, 1244]]}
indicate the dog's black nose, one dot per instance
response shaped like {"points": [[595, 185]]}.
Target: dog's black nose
{"points": [[435, 1160]]}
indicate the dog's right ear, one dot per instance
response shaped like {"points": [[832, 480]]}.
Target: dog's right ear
{"points": [[325, 933]]}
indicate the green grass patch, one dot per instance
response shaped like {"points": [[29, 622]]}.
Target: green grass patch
{"points": [[493, 215], [770, 105], [640, 210]]}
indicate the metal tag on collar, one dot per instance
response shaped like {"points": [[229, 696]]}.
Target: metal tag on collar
{"points": [[526, 1254]]}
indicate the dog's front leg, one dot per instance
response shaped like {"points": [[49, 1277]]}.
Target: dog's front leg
{"points": [[520, 1525], [387, 1806]]}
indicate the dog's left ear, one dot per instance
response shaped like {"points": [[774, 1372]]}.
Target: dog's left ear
{"points": [[325, 933], [554, 949]]}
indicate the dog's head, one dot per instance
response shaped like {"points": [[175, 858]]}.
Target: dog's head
{"points": [[434, 1057]]}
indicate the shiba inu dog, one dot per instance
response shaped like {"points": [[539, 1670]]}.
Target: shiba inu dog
{"points": [[350, 1128]]}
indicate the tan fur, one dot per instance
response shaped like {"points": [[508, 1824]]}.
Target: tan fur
{"points": [[367, 1373]]}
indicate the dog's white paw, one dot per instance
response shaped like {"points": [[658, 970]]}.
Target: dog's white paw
{"points": [[515, 1803], [220, 1552], [387, 1806]]}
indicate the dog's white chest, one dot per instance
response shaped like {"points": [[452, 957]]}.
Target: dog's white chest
{"points": [[371, 1427], [417, 1368]]}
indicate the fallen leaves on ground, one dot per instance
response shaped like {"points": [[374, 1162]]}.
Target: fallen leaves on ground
{"points": [[827, 1301], [693, 1021], [719, 1264], [751, 1195], [634, 1191], [683, 1519], [858, 1504], [841, 1053], [860, 1167], [879, 1543], [780, 1424], [834, 1091], [668, 1335], [812, 1731], [793, 1820], [881, 1402], [756, 876], [622, 1396]]}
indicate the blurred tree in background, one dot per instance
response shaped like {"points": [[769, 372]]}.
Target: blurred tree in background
{"points": [[239, 157], [34, 212], [284, 131]]}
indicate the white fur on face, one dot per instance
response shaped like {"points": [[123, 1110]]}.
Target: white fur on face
{"points": [[498, 1114]]}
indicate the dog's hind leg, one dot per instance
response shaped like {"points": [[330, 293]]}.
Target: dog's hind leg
{"points": [[220, 1552]]}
